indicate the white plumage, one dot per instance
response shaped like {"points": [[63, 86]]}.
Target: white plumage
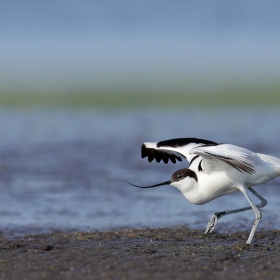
{"points": [[215, 170]]}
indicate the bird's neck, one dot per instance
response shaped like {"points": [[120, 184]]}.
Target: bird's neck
{"points": [[192, 192]]}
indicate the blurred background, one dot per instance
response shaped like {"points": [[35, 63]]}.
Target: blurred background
{"points": [[84, 83], [75, 52]]}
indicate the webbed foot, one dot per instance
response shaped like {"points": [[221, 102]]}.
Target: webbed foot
{"points": [[212, 223]]}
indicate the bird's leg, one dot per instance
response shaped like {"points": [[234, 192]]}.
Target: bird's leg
{"points": [[216, 216], [258, 216], [262, 199], [213, 221]]}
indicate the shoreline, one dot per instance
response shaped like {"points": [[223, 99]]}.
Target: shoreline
{"points": [[147, 253]]}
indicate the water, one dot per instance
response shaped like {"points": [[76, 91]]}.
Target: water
{"points": [[66, 169]]}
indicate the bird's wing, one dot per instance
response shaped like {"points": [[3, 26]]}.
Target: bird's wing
{"points": [[172, 149], [239, 158]]}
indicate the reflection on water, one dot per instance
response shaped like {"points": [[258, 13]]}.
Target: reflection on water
{"points": [[66, 169]]}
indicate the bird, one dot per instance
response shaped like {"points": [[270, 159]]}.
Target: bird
{"points": [[215, 170]]}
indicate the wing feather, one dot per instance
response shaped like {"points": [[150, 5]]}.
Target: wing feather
{"points": [[173, 149], [239, 158], [151, 155]]}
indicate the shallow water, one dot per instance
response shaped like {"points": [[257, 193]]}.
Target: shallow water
{"points": [[66, 169]]}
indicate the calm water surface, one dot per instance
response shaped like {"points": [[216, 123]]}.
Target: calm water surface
{"points": [[66, 169]]}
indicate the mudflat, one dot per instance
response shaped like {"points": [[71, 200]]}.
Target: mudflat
{"points": [[147, 253]]}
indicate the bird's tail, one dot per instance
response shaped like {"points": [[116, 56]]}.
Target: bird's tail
{"points": [[274, 161]]}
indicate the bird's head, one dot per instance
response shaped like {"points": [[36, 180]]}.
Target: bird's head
{"points": [[181, 179]]}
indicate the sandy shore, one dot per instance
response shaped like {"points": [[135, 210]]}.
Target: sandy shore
{"points": [[163, 253]]}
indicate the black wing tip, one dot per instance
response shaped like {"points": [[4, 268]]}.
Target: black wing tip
{"points": [[158, 155], [173, 143], [144, 151]]}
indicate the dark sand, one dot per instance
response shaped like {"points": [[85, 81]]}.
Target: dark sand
{"points": [[163, 253]]}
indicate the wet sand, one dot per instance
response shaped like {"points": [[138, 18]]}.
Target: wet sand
{"points": [[162, 253]]}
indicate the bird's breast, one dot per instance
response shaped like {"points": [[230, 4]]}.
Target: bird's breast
{"points": [[210, 187]]}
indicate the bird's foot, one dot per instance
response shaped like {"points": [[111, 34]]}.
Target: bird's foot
{"points": [[211, 224]]}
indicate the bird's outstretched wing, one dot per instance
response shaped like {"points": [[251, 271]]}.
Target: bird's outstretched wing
{"points": [[173, 149], [239, 158]]}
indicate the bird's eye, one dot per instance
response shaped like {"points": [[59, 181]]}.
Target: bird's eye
{"points": [[179, 177]]}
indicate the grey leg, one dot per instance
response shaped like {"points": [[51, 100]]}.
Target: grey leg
{"points": [[214, 219], [258, 216]]}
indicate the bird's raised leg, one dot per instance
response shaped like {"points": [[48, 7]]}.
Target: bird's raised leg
{"points": [[216, 216], [213, 221]]}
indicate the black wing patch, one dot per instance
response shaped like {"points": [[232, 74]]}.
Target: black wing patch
{"points": [[241, 165], [178, 142], [193, 159], [158, 155], [172, 143], [199, 166]]}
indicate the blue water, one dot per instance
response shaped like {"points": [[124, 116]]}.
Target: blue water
{"points": [[66, 169]]}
